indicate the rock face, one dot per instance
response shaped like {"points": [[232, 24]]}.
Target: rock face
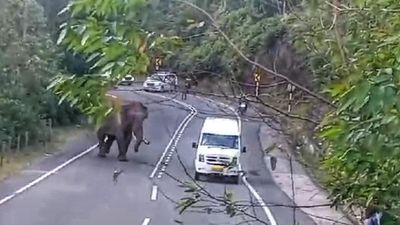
{"points": [[280, 57]]}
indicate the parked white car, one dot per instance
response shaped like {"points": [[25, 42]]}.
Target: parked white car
{"points": [[219, 148], [127, 80], [161, 81]]}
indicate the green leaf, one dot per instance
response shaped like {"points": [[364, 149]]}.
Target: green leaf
{"points": [[62, 35], [63, 98], [362, 96], [74, 102], [85, 37], [54, 83], [107, 67], [107, 4], [95, 45], [336, 89], [380, 79], [108, 112], [389, 71], [92, 57], [348, 100], [64, 10], [388, 119], [331, 132], [63, 25], [186, 204]]}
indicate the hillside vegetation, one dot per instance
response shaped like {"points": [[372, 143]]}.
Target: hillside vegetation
{"points": [[28, 61]]}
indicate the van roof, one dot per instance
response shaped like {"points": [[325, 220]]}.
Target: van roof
{"points": [[221, 125]]}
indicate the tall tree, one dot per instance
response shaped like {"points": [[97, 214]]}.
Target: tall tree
{"points": [[27, 62]]}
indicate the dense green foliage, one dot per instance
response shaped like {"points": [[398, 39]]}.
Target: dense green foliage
{"points": [[357, 59], [28, 61], [252, 25]]}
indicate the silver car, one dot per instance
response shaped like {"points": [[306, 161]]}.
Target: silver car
{"points": [[161, 82]]}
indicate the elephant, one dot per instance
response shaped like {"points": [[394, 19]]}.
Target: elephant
{"points": [[120, 128]]}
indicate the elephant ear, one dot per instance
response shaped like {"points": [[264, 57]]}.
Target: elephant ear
{"points": [[115, 103]]}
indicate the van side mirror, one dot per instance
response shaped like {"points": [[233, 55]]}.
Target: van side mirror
{"points": [[194, 145], [244, 149]]}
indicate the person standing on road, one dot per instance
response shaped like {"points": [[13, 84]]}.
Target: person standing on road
{"points": [[186, 88]]}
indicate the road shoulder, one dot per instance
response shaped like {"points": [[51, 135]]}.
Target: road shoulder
{"points": [[42, 164], [306, 193]]}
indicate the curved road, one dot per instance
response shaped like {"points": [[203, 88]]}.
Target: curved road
{"points": [[83, 193]]}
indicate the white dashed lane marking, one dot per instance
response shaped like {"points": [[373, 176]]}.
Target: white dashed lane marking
{"points": [[146, 221], [175, 138], [154, 191], [171, 147]]}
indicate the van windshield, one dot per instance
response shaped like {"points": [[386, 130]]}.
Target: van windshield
{"points": [[227, 141]]}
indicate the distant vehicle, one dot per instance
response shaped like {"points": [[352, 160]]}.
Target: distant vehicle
{"points": [[161, 81], [219, 148], [127, 80], [242, 106]]}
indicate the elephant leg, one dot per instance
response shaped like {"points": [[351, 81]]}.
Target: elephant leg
{"points": [[123, 144], [138, 131], [101, 136], [108, 143], [128, 140]]}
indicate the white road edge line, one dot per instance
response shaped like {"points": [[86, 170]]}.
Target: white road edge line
{"points": [[154, 193], [146, 221], [6, 199], [46, 175], [260, 201]]}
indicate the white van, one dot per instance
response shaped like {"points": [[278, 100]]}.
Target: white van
{"points": [[219, 148]]}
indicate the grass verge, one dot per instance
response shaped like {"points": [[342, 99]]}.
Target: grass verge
{"points": [[14, 162]]}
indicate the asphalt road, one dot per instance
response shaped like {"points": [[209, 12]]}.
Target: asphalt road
{"points": [[83, 193]]}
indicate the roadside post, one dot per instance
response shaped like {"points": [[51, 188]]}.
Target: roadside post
{"points": [[158, 62], [257, 79], [291, 89]]}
